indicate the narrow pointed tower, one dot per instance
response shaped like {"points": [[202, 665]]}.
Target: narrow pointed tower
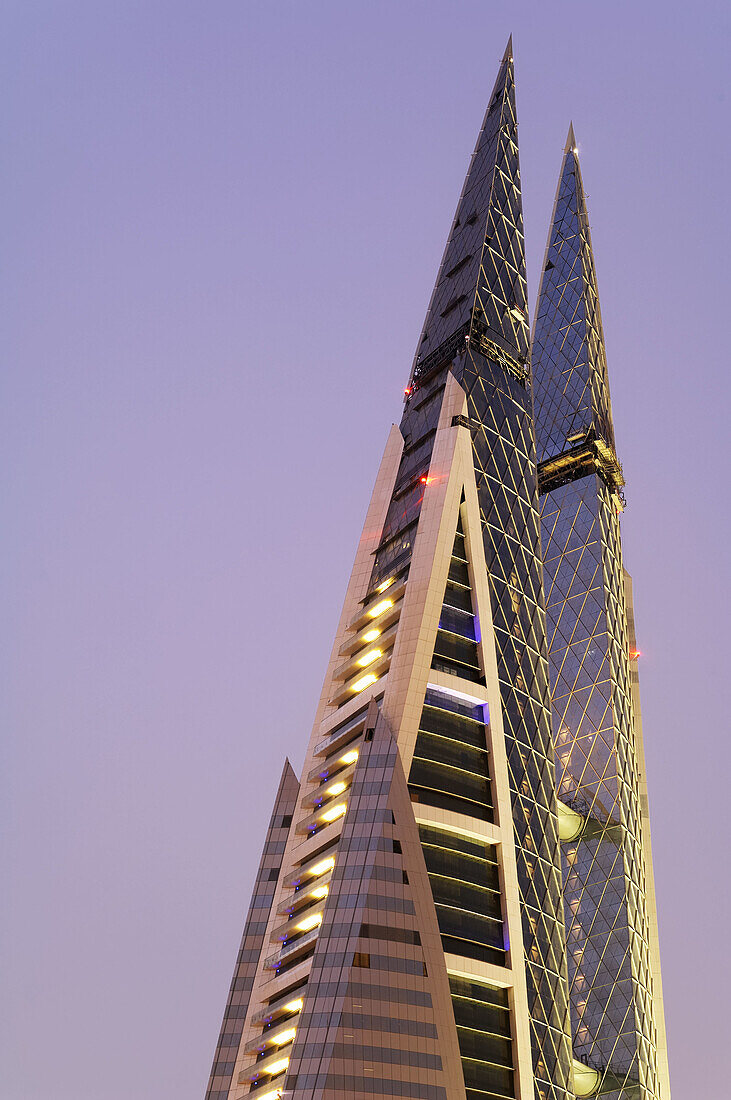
{"points": [[413, 943], [616, 996]]}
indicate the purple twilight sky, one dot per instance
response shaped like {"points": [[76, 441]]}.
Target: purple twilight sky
{"points": [[222, 225]]}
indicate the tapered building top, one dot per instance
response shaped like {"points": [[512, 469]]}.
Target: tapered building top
{"points": [[406, 936], [613, 959], [481, 285], [570, 384]]}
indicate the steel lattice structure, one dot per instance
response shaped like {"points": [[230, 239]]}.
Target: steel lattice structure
{"points": [[605, 860]]}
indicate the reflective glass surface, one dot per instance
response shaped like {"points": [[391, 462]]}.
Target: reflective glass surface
{"points": [[592, 713], [477, 328], [570, 384]]}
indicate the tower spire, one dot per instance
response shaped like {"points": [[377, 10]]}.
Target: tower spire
{"points": [[481, 285], [614, 979], [570, 145], [571, 388]]}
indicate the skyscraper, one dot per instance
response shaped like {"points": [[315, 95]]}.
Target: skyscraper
{"points": [[406, 936], [613, 962]]}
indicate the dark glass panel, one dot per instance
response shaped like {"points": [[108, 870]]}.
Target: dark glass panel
{"points": [[456, 621], [442, 838], [442, 750], [486, 1048], [438, 777], [453, 668], [459, 549], [455, 596], [481, 1016], [466, 868], [470, 949], [466, 896], [483, 1076], [416, 458], [470, 926], [444, 701], [431, 797], [478, 991], [456, 648], [459, 572], [458, 728]]}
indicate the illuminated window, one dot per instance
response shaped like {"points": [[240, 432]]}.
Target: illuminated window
{"points": [[364, 681], [384, 605]]}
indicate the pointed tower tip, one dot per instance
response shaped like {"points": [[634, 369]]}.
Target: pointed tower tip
{"points": [[508, 55], [288, 770], [570, 145]]}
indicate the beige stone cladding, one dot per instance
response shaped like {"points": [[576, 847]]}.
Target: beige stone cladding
{"points": [[366, 964], [377, 1013], [270, 983], [451, 475], [252, 940]]}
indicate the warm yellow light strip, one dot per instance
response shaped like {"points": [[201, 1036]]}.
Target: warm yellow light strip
{"points": [[371, 635], [384, 605], [335, 788], [308, 923], [323, 866], [385, 584], [334, 812], [369, 657], [280, 1040], [365, 681], [293, 1006], [350, 757], [278, 1067]]}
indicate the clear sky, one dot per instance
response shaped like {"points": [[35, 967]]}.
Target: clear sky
{"points": [[221, 223]]}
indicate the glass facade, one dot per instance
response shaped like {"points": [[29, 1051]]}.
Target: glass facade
{"points": [[607, 926], [477, 328], [468, 713]]}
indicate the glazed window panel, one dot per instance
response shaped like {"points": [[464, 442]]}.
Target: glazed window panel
{"points": [[454, 726], [442, 750], [484, 1047], [455, 596], [465, 896], [488, 1078], [457, 842], [468, 869], [458, 621], [427, 797], [481, 1017], [470, 926], [431, 775]]}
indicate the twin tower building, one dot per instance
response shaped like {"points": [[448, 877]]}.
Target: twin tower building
{"points": [[455, 901]]}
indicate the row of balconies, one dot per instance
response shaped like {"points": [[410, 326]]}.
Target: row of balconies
{"points": [[367, 656]]}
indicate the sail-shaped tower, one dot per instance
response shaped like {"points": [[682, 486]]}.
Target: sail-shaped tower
{"points": [[613, 960], [406, 936]]}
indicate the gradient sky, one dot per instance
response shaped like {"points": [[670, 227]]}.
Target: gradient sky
{"points": [[222, 223]]}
